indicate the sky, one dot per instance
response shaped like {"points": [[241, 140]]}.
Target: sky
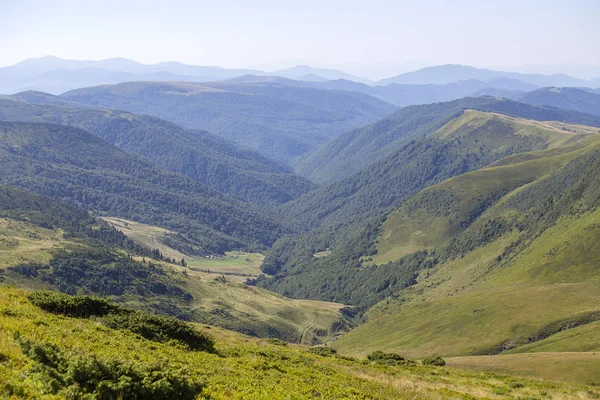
{"points": [[358, 35]]}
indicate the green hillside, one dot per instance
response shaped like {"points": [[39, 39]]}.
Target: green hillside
{"points": [[279, 121], [470, 141], [357, 149], [525, 275], [200, 156], [350, 211], [74, 166], [50, 356]]}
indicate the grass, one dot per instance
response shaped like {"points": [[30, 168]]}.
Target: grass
{"points": [[22, 242], [224, 301], [146, 235], [322, 254], [555, 132], [578, 367], [482, 321], [232, 263], [583, 338], [245, 368]]}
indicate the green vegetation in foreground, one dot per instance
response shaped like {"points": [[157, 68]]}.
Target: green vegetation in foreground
{"points": [[158, 328], [37, 347], [576, 367]]}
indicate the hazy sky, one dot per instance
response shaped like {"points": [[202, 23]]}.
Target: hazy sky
{"points": [[265, 33]]}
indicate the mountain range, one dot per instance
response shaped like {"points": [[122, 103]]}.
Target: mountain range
{"points": [[443, 74], [72, 165], [55, 75], [391, 232], [351, 152], [282, 122]]}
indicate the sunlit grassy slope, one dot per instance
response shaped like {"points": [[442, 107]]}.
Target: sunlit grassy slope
{"points": [[570, 367], [227, 302], [173, 246], [533, 288], [437, 213], [21, 241], [147, 235], [244, 368]]}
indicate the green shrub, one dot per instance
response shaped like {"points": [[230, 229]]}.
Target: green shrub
{"points": [[159, 328], [379, 357], [502, 391], [72, 306], [434, 360], [323, 351], [87, 377], [278, 342]]}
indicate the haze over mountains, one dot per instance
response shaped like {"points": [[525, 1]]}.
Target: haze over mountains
{"points": [[55, 75]]}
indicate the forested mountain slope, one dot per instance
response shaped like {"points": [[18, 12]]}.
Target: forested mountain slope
{"points": [[72, 165], [347, 274], [354, 150], [441, 74], [399, 94], [509, 260], [565, 98], [279, 121], [211, 160], [469, 142]]}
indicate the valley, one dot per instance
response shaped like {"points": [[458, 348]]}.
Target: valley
{"points": [[179, 231]]}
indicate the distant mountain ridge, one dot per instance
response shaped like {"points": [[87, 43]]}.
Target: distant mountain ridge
{"points": [[354, 150], [280, 121], [56, 75], [565, 98], [442, 74]]}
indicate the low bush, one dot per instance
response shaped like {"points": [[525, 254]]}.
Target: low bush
{"points": [[323, 351], [72, 306], [87, 377], [434, 360], [159, 328], [278, 342], [379, 357]]}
